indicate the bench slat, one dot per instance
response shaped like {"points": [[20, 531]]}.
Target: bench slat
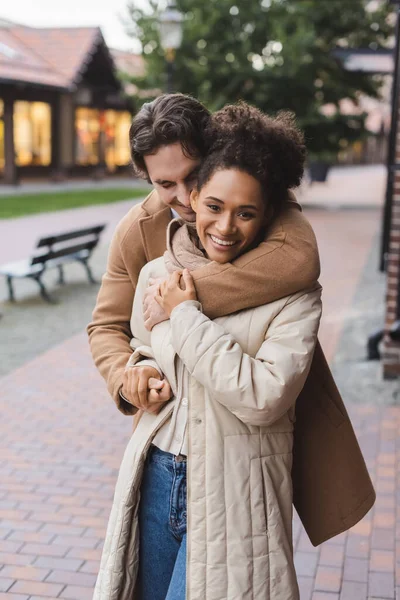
{"points": [[71, 235], [67, 251]]}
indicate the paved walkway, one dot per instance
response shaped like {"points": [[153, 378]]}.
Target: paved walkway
{"points": [[62, 441], [347, 187]]}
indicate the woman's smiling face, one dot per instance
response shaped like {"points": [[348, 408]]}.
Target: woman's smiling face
{"points": [[230, 213]]}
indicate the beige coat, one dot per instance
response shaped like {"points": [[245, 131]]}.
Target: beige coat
{"points": [[332, 490], [244, 373]]}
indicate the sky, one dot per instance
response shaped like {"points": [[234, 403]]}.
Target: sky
{"points": [[73, 13]]}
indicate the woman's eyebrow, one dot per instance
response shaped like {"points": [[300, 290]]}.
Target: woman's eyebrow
{"points": [[215, 199], [253, 206]]}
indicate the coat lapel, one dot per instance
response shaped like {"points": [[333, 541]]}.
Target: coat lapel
{"points": [[153, 228]]}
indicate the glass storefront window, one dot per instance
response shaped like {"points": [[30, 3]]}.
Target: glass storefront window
{"points": [[117, 126], [109, 130], [87, 128], [32, 133], [2, 157]]}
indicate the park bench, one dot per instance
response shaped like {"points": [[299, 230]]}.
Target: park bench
{"points": [[54, 251]]}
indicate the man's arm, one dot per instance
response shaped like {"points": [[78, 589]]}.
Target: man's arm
{"points": [[109, 332], [285, 263]]}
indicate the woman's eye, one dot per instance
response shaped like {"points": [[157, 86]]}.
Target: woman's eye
{"points": [[213, 207], [166, 186], [245, 215]]}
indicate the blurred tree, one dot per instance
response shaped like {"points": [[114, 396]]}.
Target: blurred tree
{"points": [[275, 54]]}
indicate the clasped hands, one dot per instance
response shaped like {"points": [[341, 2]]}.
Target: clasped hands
{"points": [[143, 386], [164, 294]]}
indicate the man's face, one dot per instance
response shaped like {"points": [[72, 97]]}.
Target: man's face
{"points": [[174, 175]]}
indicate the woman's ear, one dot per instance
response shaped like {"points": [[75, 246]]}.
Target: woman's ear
{"points": [[194, 196]]}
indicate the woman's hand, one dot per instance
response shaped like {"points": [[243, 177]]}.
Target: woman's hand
{"points": [[178, 288], [152, 311]]}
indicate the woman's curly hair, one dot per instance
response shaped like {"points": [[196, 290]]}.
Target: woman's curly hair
{"points": [[271, 149]]}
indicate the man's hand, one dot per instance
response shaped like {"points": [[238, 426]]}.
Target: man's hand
{"points": [[144, 388], [152, 311], [178, 288]]}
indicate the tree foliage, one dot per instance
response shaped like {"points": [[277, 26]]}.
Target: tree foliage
{"points": [[275, 54]]}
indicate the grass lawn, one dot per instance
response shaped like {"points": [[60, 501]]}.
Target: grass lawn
{"points": [[29, 204]]}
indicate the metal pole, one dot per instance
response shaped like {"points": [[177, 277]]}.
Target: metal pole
{"points": [[391, 159], [170, 64], [170, 76]]}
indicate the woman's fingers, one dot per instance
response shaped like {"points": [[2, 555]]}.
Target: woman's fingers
{"points": [[174, 280], [156, 384]]}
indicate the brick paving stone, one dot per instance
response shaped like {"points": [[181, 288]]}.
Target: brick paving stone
{"points": [[382, 560], [84, 554], [355, 569], [352, 590], [45, 517], [65, 564], [8, 558], [29, 573], [306, 586], [60, 529], [36, 588], [90, 566], [357, 546], [306, 563], [10, 546], [44, 549], [22, 536], [74, 592], [8, 596], [76, 541], [381, 585], [69, 577], [331, 555], [328, 579], [383, 539]]}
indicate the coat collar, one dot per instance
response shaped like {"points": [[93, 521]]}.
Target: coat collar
{"points": [[156, 221]]}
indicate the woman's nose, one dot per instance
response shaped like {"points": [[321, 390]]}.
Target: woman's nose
{"points": [[226, 225]]}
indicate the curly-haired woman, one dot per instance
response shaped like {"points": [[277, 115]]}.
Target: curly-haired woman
{"points": [[203, 504]]}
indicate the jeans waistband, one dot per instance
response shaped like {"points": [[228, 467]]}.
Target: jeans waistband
{"points": [[166, 458]]}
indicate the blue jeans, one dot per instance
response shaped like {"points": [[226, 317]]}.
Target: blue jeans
{"points": [[162, 527]]}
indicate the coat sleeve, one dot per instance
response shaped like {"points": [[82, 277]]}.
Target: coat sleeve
{"points": [[285, 263], [258, 390], [109, 332]]}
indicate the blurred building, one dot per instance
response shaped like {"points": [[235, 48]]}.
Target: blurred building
{"points": [[379, 64], [63, 110]]}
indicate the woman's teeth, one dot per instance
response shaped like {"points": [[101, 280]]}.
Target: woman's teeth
{"points": [[221, 242]]}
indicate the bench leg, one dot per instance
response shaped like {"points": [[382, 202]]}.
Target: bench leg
{"points": [[43, 292], [10, 289], [61, 279], [88, 271]]}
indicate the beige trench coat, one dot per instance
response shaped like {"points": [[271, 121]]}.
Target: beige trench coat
{"points": [[244, 373]]}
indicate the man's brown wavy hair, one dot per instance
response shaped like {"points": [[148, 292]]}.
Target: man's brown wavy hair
{"points": [[168, 119]]}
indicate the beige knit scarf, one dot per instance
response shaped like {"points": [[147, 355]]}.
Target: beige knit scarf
{"points": [[184, 249]]}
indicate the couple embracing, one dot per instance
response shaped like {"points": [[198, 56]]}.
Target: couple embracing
{"points": [[205, 329]]}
